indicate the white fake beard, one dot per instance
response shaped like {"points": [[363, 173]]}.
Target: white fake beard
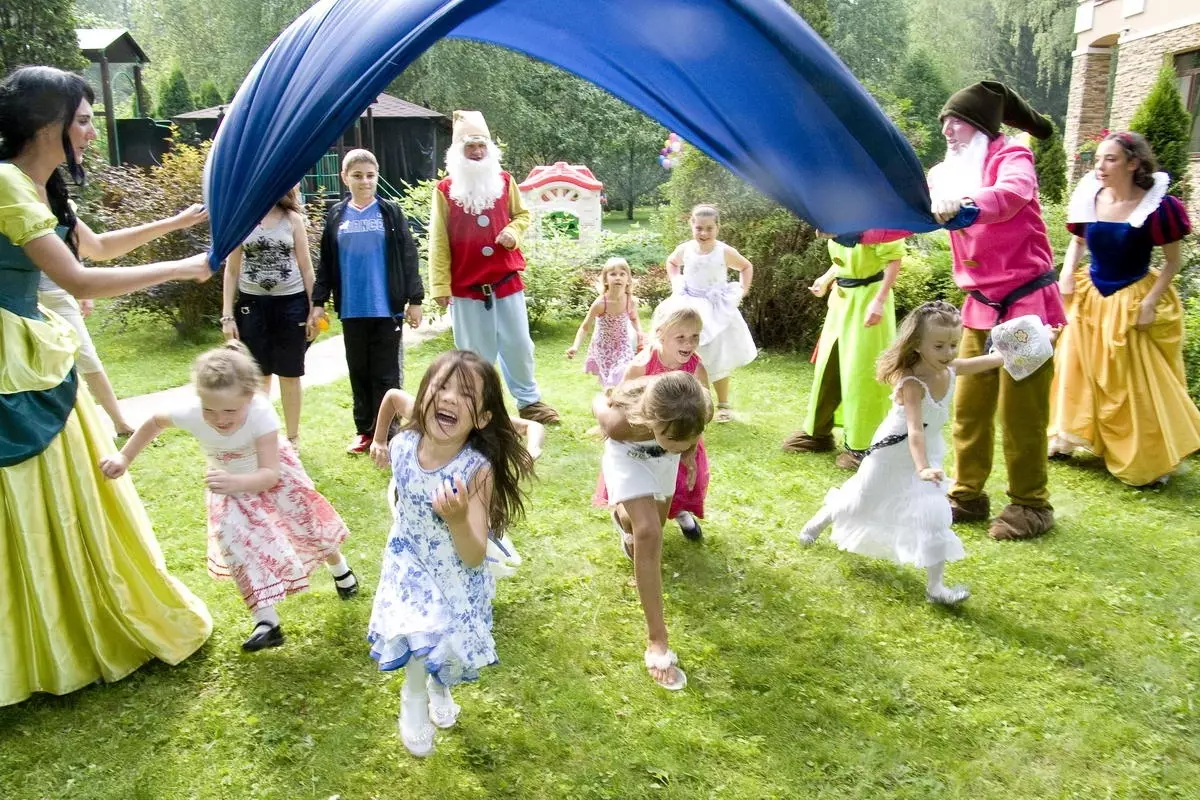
{"points": [[961, 173], [474, 185]]}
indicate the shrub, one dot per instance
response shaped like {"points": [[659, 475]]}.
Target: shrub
{"points": [[926, 275], [174, 96], [559, 223], [121, 197], [1191, 345], [1050, 161], [1167, 126]]}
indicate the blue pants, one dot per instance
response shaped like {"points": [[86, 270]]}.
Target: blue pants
{"points": [[500, 333]]}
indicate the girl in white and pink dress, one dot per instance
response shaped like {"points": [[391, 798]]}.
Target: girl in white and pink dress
{"points": [[268, 528], [699, 271], [618, 330]]}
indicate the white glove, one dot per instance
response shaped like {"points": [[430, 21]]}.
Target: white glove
{"points": [[944, 210]]}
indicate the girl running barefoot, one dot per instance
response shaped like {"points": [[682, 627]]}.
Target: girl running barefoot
{"points": [[398, 405], [895, 507], [458, 465], [268, 528], [698, 270], [618, 330], [652, 424]]}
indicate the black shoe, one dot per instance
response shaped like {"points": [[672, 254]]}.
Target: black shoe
{"points": [[265, 635], [694, 533], [346, 592]]}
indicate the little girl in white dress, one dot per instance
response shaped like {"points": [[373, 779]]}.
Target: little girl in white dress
{"points": [[699, 271], [895, 506]]}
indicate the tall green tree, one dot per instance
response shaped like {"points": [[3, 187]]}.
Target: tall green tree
{"points": [[1050, 161], [38, 32], [1167, 126], [921, 82], [209, 95], [871, 36], [627, 161], [174, 96]]}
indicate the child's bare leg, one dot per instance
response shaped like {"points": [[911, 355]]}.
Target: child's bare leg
{"points": [[722, 388], [291, 397], [646, 517]]}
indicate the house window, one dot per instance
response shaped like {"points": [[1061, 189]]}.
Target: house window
{"points": [[1187, 67]]}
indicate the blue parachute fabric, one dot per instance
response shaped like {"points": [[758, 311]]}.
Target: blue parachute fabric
{"points": [[746, 81]]}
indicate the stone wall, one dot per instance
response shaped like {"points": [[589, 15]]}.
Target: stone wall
{"points": [[1087, 102]]}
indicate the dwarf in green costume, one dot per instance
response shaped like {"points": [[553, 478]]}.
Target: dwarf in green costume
{"points": [[859, 325]]}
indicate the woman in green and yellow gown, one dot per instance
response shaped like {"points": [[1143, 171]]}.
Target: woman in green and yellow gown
{"points": [[84, 592]]}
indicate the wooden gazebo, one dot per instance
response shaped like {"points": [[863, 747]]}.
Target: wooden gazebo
{"points": [[105, 46]]}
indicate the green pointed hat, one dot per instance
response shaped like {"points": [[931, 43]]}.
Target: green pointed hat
{"points": [[988, 104]]}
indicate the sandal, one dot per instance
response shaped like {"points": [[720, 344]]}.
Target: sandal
{"points": [[667, 660], [947, 595], [724, 413], [625, 538], [443, 711]]}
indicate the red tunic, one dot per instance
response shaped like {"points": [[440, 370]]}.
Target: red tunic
{"points": [[475, 258]]}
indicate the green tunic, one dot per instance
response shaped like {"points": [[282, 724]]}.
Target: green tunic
{"points": [[865, 401]]}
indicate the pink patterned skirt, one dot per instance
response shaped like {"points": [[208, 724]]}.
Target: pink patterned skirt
{"points": [[270, 542]]}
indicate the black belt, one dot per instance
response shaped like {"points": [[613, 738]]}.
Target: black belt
{"points": [[887, 441], [854, 283], [488, 289], [1024, 290]]}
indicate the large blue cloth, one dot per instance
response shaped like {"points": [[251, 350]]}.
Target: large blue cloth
{"points": [[746, 81]]}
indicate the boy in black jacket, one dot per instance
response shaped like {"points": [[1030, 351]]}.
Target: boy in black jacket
{"points": [[369, 264]]}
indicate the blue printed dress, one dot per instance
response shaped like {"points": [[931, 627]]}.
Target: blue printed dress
{"points": [[429, 603]]}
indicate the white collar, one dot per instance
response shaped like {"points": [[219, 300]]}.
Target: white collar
{"points": [[1082, 207]]}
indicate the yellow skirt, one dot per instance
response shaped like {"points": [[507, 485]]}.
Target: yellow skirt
{"points": [[1120, 392], [84, 592]]}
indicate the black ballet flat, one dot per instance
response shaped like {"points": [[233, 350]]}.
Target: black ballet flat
{"points": [[264, 635], [694, 533], [346, 592]]}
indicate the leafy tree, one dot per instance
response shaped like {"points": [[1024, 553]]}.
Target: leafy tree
{"points": [[1167, 126], [209, 95], [921, 82], [38, 32], [817, 14], [627, 162], [1050, 161], [174, 96], [871, 36]]}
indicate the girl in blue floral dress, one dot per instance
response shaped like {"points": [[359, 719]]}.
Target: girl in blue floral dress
{"points": [[458, 466]]}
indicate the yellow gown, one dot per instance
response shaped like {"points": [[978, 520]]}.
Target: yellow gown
{"points": [[84, 592]]}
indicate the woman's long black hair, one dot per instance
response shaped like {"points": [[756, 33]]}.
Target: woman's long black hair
{"points": [[30, 99], [497, 441]]}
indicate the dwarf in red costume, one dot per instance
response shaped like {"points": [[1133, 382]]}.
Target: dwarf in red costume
{"points": [[475, 233]]}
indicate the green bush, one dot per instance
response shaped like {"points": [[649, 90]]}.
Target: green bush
{"points": [[122, 197], [926, 274], [559, 223], [1191, 345], [1050, 161], [1165, 122], [174, 96]]}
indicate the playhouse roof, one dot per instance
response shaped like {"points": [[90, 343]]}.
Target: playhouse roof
{"points": [[561, 172], [385, 107]]}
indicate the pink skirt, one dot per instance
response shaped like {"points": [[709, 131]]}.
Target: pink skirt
{"points": [[684, 499], [270, 542]]}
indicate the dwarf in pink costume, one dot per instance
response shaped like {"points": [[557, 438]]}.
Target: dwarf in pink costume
{"points": [[1004, 263]]}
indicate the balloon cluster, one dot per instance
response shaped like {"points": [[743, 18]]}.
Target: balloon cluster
{"points": [[668, 157]]}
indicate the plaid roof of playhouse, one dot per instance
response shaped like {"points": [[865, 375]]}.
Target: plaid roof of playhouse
{"points": [[385, 107], [561, 172]]}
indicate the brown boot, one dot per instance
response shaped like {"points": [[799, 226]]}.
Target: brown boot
{"points": [[801, 442], [1021, 522], [539, 412], [975, 509], [848, 459]]}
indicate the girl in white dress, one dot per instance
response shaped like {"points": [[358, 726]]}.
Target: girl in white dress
{"points": [[895, 506], [268, 526], [698, 271]]}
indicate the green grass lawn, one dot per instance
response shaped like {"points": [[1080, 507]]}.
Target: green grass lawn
{"points": [[1071, 672], [616, 222], [143, 354]]}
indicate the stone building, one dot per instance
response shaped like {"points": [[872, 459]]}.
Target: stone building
{"points": [[1120, 46]]}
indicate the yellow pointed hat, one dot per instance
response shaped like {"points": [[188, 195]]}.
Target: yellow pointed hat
{"points": [[469, 126]]}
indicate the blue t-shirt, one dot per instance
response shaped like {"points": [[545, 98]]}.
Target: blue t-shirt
{"points": [[362, 257]]}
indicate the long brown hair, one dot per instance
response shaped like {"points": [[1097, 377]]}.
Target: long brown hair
{"points": [[903, 355], [1134, 145], [497, 441], [674, 401], [292, 201]]}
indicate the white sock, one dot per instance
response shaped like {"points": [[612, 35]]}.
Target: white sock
{"points": [[934, 573], [267, 614], [341, 568], [414, 681], [686, 521]]}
